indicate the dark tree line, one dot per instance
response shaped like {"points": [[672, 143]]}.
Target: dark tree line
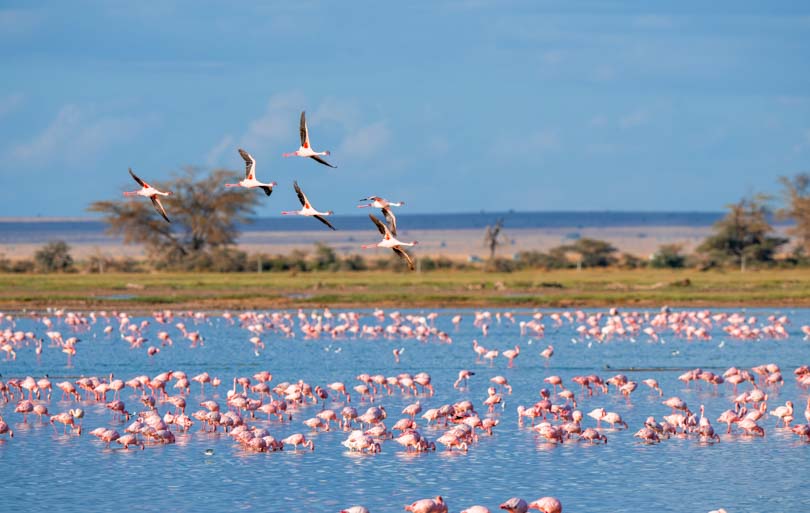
{"points": [[205, 218]]}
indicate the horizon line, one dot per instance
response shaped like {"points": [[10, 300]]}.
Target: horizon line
{"points": [[51, 219]]}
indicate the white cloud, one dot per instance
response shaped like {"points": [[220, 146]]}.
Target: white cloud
{"points": [[604, 73], [10, 103], [598, 121], [75, 136], [366, 141], [804, 143], [214, 156], [541, 141], [437, 145], [14, 22], [654, 21], [634, 119], [553, 57], [276, 126], [331, 110], [601, 148], [793, 101]]}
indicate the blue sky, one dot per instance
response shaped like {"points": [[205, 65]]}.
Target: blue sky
{"points": [[448, 105]]}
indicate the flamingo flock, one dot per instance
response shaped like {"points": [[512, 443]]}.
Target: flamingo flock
{"points": [[259, 415], [387, 229]]}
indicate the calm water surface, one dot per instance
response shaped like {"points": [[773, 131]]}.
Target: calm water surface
{"points": [[44, 470], [88, 231]]}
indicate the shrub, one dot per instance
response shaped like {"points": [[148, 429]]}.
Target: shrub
{"points": [[54, 257], [668, 256]]}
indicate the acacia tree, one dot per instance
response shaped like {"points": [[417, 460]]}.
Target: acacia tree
{"points": [[494, 238], [743, 235], [204, 217], [796, 193]]}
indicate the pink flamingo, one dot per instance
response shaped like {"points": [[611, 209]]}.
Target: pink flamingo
{"points": [[390, 241], [436, 505], [547, 505], [554, 381], [654, 385], [298, 439], [250, 181], [378, 202], [306, 150], [592, 435], [150, 192], [129, 439], [784, 413], [463, 376], [476, 509], [500, 380], [307, 209], [511, 354], [515, 505], [647, 435], [4, 429]]}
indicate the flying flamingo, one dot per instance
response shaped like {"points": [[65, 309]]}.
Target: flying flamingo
{"points": [[308, 210], [150, 192], [390, 241], [250, 181], [378, 202], [391, 219], [305, 150]]}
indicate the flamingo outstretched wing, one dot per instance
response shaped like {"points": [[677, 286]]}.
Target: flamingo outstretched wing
{"points": [[303, 130], [140, 182], [384, 231], [159, 207], [391, 218], [301, 196], [250, 164], [404, 255], [324, 221], [322, 161]]}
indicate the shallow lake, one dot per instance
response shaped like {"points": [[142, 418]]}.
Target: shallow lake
{"points": [[42, 469]]}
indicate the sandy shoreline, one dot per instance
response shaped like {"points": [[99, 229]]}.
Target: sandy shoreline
{"points": [[641, 241]]}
